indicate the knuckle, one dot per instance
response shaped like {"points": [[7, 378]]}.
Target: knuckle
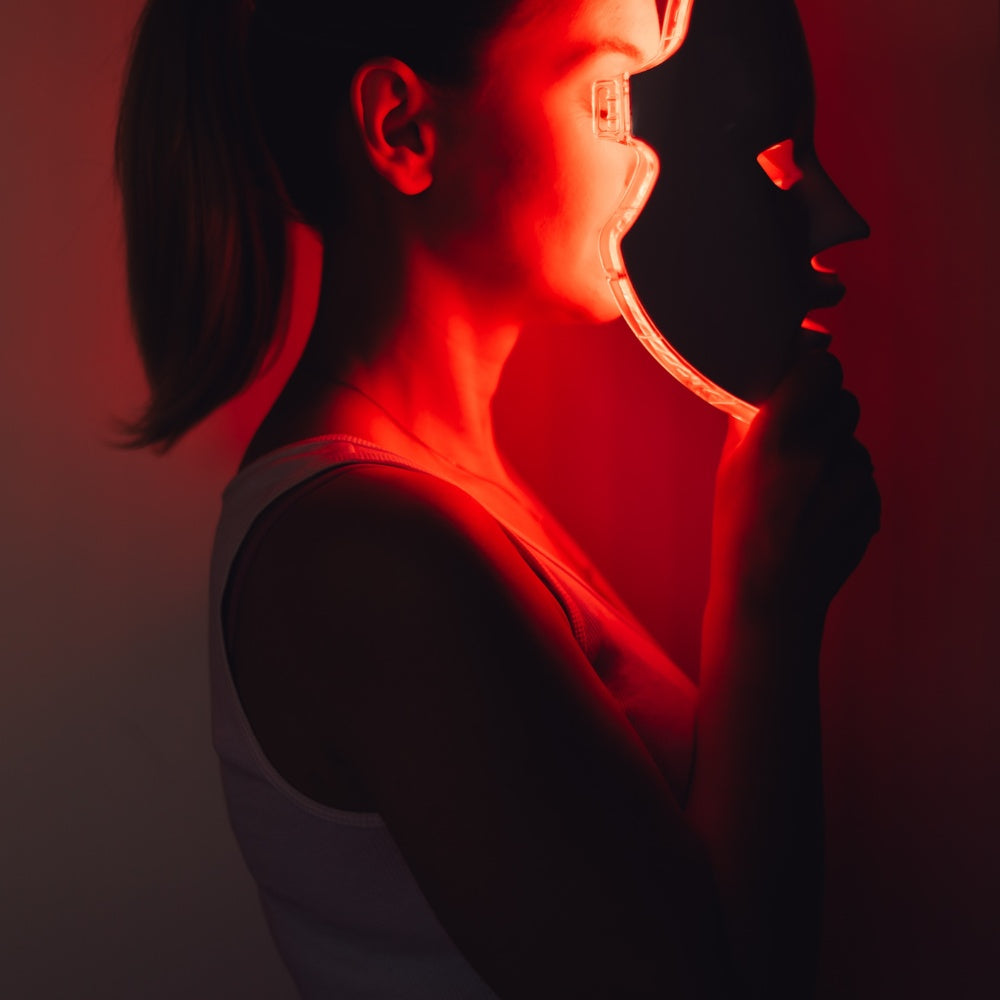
{"points": [[845, 412], [829, 368], [849, 403], [858, 454]]}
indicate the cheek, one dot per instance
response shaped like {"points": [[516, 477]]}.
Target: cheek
{"points": [[525, 199], [479, 191], [587, 192], [512, 164], [588, 180]]}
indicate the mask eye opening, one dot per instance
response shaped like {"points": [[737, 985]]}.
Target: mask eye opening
{"points": [[778, 162], [612, 109]]}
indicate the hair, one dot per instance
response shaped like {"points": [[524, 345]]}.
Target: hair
{"points": [[227, 129]]}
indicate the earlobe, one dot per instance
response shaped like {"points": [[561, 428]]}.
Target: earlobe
{"points": [[391, 106]]}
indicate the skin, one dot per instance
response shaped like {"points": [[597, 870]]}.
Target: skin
{"points": [[487, 213], [513, 192]]}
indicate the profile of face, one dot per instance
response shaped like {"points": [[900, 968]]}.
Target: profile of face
{"points": [[528, 186], [722, 256]]}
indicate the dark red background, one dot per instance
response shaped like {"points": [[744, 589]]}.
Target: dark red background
{"points": [[115, 858]]}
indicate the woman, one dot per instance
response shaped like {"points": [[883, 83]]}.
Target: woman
{"points": [[455, 765]]}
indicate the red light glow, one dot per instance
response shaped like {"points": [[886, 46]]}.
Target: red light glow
{"points": [[811, 324], [778, 162]]}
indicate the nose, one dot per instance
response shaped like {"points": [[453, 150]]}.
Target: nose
{"points": [[832, 218]]}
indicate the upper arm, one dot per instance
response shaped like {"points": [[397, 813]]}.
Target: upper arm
{"points": [[435, 661]]}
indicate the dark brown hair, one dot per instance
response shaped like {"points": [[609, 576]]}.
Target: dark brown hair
{"points": [[226, 130]]}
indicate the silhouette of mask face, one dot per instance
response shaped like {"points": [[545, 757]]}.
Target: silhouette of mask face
{"points": [[717, 274]]}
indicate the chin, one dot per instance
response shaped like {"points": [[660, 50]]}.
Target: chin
{"points": [[568, 312], [574, 289], [606, 310], [594, 303]]}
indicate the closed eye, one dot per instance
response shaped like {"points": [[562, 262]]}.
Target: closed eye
{"points": [[778, 162]]}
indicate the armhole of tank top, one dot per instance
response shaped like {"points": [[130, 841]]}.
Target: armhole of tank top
{"points": [[251, 541], [253, 537]]}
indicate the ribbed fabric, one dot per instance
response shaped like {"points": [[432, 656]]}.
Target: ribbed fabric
{"points": [[346, 913]]}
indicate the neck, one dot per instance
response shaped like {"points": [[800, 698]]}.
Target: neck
{"points": [[433, 374]]}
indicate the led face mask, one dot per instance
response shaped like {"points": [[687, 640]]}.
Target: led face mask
{"points": [[707, 254]]}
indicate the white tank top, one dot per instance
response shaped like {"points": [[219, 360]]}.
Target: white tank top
{"points": [[346, 913]]}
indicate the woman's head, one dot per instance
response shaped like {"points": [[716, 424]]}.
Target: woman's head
{"points": [[533, 181], [467, 127], [514, 186]]}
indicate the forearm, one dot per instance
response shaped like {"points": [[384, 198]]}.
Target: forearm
{"points": [[756, 795]]}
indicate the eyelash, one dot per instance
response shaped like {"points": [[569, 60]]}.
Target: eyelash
{"points": [[778, 162]]}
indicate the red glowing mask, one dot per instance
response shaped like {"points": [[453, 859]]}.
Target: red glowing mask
{"points": [[612, 109], [713, 267]]}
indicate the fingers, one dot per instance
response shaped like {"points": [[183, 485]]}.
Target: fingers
{"points": [[810, 408], [841, 417], [863, 502], [806, 392], [798, 495], [848, 495]]}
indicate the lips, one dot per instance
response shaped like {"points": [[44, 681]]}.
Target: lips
{"points": [[813, 327], [813, 337], [824, 292]]}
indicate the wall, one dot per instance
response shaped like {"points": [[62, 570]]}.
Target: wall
{"points": [[118, 877]]}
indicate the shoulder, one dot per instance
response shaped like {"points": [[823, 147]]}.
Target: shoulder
{"points": [[372, 561], [380, 498], [385, 527]]}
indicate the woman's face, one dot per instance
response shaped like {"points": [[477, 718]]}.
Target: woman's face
{"points": [[724, 246], [529, 186]]}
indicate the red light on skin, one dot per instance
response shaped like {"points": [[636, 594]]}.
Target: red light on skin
{"points": [[818, 265], [778, 162]]}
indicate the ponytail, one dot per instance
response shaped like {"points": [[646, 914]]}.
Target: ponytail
{"points": [[204, 213], [230, 124]]}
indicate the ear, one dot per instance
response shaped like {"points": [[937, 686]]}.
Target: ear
{"points": [[392, 105]]}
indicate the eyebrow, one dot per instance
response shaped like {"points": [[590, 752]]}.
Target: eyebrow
{"points": [[587, 50]]}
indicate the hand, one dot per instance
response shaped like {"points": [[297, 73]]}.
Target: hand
{"points": [[796, 503]]}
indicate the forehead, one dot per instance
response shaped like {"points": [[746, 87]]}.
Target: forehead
{"points": [[552, 35], [636, 20]]}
